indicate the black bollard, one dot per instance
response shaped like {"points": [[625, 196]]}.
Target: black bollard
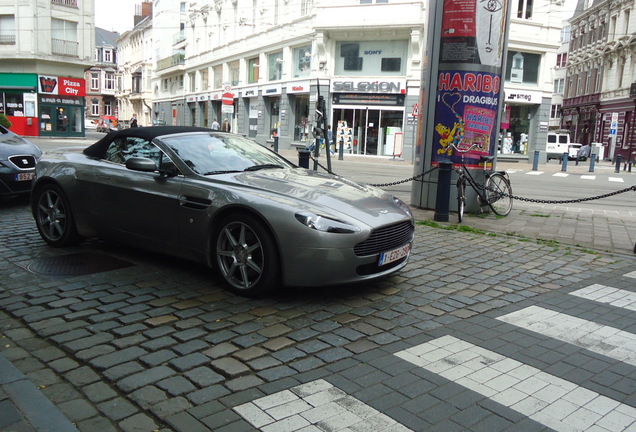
{"points": [[341, 150], [619, 159], [443, 191], [535, 162], [276, 144], [564, 162], [592, 162]]}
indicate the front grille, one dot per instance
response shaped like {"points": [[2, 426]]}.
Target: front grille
{"points": [[23, 161], [385, 239]]}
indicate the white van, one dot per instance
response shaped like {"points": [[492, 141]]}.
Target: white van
{"points": [[558, 142]]}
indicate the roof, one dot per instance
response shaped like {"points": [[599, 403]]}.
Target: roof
{"points": [[149, 133], [105, 38]]}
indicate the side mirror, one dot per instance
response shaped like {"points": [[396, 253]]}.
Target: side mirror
{"points": [[141, 164]]}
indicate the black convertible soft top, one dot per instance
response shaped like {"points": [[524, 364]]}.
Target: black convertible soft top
{"points": [[148, 133]]}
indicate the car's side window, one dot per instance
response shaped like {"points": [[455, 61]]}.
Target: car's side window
{"points": [[123, 149]]}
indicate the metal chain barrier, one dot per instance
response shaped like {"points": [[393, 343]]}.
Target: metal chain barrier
{"points": [[514, 197], [571, 201], [383, 184]]}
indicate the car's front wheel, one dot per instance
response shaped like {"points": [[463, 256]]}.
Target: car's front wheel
{"points": [[54, 218], [246, 255]]}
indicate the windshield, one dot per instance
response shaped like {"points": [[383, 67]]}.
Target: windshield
{"points": [[208, 154]]}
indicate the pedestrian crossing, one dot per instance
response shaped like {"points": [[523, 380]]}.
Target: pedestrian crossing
{"points": [[549, 400], [564, 175]]}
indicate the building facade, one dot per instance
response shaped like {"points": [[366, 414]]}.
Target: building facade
{"points": [[135, 69], [262, 65], [45, 47], [101, 78], [598, 106]]}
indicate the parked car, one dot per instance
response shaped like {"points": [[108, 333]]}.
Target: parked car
{"points": [[107, 124], [18, 157], [90, 124], [225, 201]]}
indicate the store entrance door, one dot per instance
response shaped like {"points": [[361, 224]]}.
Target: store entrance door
{"points": [[373, 129]]}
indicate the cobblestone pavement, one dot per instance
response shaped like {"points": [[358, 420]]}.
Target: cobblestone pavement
{"points": [[160, 345]]}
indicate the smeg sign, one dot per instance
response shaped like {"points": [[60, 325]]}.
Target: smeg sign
{"points": [[361, 86]]}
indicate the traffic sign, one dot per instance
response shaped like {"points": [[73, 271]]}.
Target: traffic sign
{"points": [[227, 99], [416, 110]]}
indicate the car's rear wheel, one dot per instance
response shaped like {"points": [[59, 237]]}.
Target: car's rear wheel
{"points": [[246, 255], [54, 218]]}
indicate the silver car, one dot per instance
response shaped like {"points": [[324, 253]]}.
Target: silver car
{"points": [[18, 157], [225, 201]]}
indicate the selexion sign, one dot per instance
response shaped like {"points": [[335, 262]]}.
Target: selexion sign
{"points": [[361, 86]]}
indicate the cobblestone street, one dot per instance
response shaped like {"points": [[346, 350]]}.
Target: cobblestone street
{"points": [[154, 343]]}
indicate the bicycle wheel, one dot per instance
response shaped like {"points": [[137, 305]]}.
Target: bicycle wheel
{"points": [[461, 198], [499, 194]]}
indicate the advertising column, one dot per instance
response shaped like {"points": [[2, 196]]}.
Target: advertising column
{"points": [[462, 88]]}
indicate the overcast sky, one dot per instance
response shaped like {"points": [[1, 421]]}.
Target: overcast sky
{"points": [[117, 15]]}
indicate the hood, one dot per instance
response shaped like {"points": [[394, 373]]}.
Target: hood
{"points": [[11, 144], [322, 192]]}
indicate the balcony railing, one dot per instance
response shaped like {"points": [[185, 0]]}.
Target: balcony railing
{"points": [[178, 37], [173, 60], [64, 47], [7, 39], [72, 3]]}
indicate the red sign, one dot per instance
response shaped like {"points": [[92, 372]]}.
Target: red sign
{"points": [[62, 86], [227, 99]]}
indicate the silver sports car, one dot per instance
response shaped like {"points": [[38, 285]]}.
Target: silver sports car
{"points": [[225, 201]]}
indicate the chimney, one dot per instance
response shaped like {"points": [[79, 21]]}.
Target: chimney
{"points": [[142, 11]]}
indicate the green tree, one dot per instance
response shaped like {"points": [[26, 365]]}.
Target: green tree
{"points": [[4, 121]]}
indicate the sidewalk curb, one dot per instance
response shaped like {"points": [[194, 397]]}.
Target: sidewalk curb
{"points": [[31, 405]]}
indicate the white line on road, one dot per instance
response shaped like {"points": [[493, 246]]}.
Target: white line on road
{"points": [[547, 399], [316, 403], [560, 174], [616, 179], [631, 275], [601, 339], [588, 177], [608, 295], [534, 172]]}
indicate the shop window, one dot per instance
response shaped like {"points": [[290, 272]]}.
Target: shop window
{"points": [[302, 125], [368, 58], [302, 61], [14, 105], [523, 67], [391, 64], [7, 30], [252, 72], [274, 107], [275, 66]]}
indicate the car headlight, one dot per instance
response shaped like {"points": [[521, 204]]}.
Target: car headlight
{"points": [[325, 224], [401, 204]]}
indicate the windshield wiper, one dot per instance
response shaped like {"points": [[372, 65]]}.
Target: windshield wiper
{"points": [[221, 172], [264, 166]]}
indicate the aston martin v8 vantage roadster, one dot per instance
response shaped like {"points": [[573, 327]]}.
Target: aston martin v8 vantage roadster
{"points": [[225, 201]]}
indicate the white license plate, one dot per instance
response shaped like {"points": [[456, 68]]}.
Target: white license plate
{"points": [[25, 176], [394, 255]]}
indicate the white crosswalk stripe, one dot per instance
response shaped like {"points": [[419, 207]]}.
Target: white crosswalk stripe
{"points": [[612, 296], [545, 398], [588, 177], [601, 339], [534, 172], [560, 174], [616, 179], [314, 407]]}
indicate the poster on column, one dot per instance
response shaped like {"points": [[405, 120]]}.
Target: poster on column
{"points": [[469, 79]]}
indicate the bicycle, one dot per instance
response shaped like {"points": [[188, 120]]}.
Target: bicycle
{"points": [[496, 193]]}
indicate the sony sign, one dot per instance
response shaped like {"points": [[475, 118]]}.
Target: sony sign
{"points": [[360, 86]]}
